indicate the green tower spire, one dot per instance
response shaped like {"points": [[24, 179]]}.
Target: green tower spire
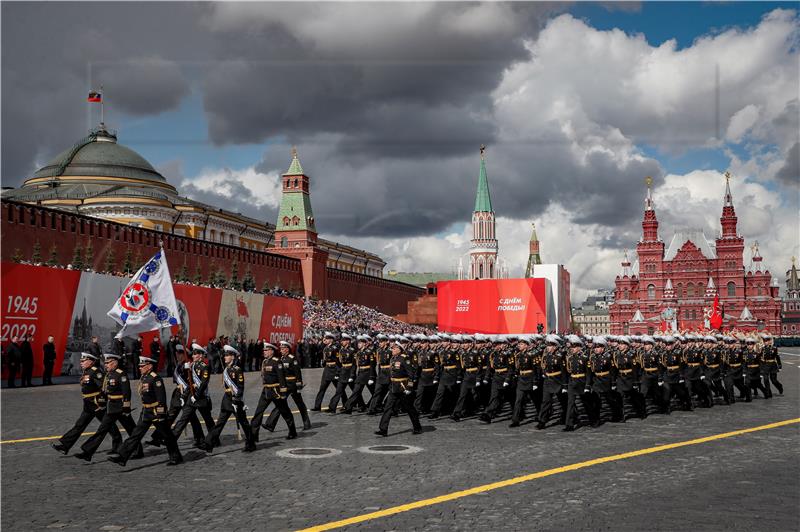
{"points": [[483, 202], [295, 212]]}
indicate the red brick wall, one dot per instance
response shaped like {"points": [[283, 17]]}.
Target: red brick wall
{"points": [[23, 225], [389, 297]]}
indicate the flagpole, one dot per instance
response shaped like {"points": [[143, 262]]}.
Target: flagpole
{"points": [[102, 109]]}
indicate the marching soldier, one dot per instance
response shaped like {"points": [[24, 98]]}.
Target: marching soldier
{"points": [[232, 403], [195, 397], [449, 376], [402, 383], [501, 365], [555, 381], [94, 406], [383, 357], [752, 372], [712, 366], [346, 356], [154, 412], [733, 364], [650, 381], [695, 374], [365, 370], [273, 391], [627, 380], [330, 373], [180, 377], [770, 365], [527, 369], [294, 383], [601, 381], [427, 372], [471, 379], [577, 365], [117, 389], [673, 381]]}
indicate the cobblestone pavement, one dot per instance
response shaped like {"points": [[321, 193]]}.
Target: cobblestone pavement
{"points": [[745, 482]]}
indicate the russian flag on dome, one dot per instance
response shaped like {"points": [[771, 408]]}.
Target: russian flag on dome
{"points": [[148, 302], [95, 96]]}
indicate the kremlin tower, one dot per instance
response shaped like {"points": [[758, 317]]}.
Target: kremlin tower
{"points": [[483, 248]]}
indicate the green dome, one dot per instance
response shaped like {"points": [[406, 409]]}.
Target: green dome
{"points": [[99, 155]]}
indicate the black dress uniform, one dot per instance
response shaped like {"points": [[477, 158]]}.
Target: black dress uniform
{"points": [[294, 383], [694, 375], [471, 376], [383, 381], [274, 390], [232, 403], [501, 366], [181, 378], [734, 365], [402, 383], [555, 382], [154, 412], [577, 365], [427, 379], [347, 360], [752, 370], [449, 377], [650, 383], [527, 370], [195, 399], [94, 407], [601, 381], [770, 366], [627, 379], [330, 372], [117, 389], [364, 372], [712, 366], [673, 379]]}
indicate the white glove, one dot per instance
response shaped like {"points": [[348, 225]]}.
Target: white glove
{"points": [[534, 387], [563, 390], [702, 378], [182, 401], [436, 382], [505, 384], [192, 400], [370, 382], [477, 383], [613, 387], [486, 382], [350, 380], [586, 390], [186, 365], [245, 408], [336, 378], [458, 382], [407, 392], [681, 381], [660, 383], [235, 408]]}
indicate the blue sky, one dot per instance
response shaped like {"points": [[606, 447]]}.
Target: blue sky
{"points": [[182, 134]]}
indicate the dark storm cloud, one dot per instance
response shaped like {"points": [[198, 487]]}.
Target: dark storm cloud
{"points": [[54, 52], [789, 173]]}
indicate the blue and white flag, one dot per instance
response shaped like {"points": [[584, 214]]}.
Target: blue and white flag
{"points": [[148, 302]]}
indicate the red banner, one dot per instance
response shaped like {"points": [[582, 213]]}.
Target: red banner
{"points": [[37, 301], [281, 319], [71, 306], [492, 306]]}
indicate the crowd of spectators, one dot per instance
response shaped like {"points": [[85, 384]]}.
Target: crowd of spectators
{"points": [[339, 316]]}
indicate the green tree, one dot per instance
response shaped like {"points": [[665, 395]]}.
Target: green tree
{"points": [[77, 258], [111, 261], [127, 265], [88, 256], [198, 274], [17, 256], [53, 260], [234, 283], [222, 278], [265, 287], [36, 255], [183, 273], [212, 274], [248, 283]]}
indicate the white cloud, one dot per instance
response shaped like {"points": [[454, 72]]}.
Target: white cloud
{"points": [[265, 188]]}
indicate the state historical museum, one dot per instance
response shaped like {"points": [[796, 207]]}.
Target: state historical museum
{"points": [[674, 287]]}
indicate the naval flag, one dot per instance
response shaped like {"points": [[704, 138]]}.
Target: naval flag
{"points": [[148, 302]]}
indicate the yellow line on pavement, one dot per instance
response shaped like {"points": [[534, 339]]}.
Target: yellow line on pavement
{"points": [[45, 438], [533, 476]]}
